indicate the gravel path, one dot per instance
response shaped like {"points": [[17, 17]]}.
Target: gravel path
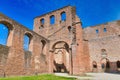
{"points": [[104, 76], [93, 76]]}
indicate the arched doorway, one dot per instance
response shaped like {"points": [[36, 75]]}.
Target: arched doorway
{"points": [[61, 57], [105, 65], [94, 64], [118, 65]]}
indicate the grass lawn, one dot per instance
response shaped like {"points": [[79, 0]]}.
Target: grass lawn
{"points": [[39, 77]]}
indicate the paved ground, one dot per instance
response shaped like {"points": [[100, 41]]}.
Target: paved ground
{"points": [[94, 76], [78, 77], [104, 76]]}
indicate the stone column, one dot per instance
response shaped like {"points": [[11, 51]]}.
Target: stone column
{"points": [[15, 61], [51, 58]]}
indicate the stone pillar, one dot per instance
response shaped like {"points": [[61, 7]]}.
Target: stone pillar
{"points": [[51, 58], [10, 38], [15, 61], [70, 60], [80, 60]]}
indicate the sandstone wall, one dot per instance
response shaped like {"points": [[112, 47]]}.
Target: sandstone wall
{"points": [[68, 32], [108, 40], [15, 63]]}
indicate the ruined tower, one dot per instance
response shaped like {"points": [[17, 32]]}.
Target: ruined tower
{"points": [[63, 28]]}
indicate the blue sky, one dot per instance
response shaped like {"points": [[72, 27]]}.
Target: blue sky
{"points": [[91, 12]]}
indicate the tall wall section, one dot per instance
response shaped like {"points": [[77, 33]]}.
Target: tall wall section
{"points": [[18, 61], [81, 54], [64, 31], [104, 44]]}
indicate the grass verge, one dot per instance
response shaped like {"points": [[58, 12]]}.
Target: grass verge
{"points": [[38, 77]]}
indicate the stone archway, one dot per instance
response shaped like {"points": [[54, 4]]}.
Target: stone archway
{"points": [[118, 65], [61, 57], [94, 64], [10, 28], [105, 65]]}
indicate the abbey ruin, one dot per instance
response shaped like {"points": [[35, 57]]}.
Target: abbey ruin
{"points": [[60, 45]]}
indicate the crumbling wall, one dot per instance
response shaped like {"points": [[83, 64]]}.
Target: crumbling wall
{"points": [[108, 40], [68, 31], [4, 50], [15, 63]]}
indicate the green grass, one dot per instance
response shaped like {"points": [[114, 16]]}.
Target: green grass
{"points": [[39, 77]]}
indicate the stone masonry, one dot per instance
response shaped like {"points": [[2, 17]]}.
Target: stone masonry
{"points": [[103, 41], [62, 46]]}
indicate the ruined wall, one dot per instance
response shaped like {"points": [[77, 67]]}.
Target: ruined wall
{"points": [[59, 27], [81, 56], [104, 39], [57, 32], [15, 64], [4, 53], [4, 50], [68, 31], [79, 47]]}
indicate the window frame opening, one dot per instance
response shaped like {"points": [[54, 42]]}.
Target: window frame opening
{"points": [[63, 16], [52, 20]]}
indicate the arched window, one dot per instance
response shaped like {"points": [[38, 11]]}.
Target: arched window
{"points": [[63, 16], [3, 41], [27, 40], [3, 34], [42, 21], [6, 35], [27, 48], [52, 19], [69, 28], [97, 31], [103, 53], [105, 30]]}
